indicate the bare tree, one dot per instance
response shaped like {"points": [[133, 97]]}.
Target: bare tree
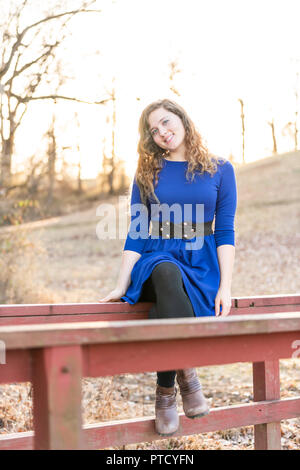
{"points": [[291, 128], [27, 53], [288, 131], [109, 162], [296, 114], [79, 167], [105, 168], [36, 169], [113, 138], [174, 70], [271, 123], [243, 126], [52, 150], [52, 155], [231, 158]]}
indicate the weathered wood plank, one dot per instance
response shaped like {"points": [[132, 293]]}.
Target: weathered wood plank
{"points": [[21, 318], [123, 307], [153, 355], [24, 319], [17, 367], [143, 346], [104, 359], [136, 430], [56, 377], [267, 300], [72, 309], [266, 386], [49, 319], [264, 309], [36, 336]]}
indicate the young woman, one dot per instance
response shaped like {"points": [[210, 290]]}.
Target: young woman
{"points": [[185, 274]]}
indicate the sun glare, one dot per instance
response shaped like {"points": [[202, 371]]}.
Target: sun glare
{"points": [[225, 51]]}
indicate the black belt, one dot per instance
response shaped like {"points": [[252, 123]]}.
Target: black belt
{"points": [[184, 230]]}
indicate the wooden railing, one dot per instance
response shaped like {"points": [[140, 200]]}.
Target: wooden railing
{"points": [[54, 346]]}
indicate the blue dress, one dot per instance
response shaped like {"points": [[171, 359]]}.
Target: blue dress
{"points": [[199, 266]]}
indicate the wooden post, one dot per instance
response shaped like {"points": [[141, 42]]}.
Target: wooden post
{"points": [[57, 373], [266, 386]]}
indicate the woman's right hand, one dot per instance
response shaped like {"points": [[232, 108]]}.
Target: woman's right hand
{"points": [[113, 296]]}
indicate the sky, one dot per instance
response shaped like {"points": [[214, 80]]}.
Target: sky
{"points": [[225, 49]]}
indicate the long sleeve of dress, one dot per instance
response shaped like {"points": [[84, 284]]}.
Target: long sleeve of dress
{"points": [[138, 232], [226, 207]]}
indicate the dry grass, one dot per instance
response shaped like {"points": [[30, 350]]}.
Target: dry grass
{"points": [[69, 264], [19, 267]]}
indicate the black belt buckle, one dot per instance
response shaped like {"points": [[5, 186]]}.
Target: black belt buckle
{"points": [[183, 230]]}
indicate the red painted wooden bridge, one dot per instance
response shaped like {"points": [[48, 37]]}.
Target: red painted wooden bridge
{"points": [[54, 346]]}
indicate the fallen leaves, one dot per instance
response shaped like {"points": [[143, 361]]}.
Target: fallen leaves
{"points": [[130, 396]]}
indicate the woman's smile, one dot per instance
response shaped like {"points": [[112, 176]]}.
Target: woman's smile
{"points": [[168, 140]]}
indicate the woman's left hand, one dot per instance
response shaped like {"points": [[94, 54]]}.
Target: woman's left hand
{"points": [[223, 298]]}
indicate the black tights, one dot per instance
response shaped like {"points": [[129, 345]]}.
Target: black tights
{"points": [[165, 287]]}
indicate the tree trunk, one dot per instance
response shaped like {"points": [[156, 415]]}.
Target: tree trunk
{"points": [[51, 162], [113, 155], [243, 127], [111, 180], [273, 137], [296, 120], [6, 160], [79, 180]]}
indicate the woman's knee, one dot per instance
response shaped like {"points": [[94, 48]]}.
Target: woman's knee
{"points": [[172, 300], [166, 275]]}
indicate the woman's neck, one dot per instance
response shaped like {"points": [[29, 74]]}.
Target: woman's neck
{"points": [[177, 155]]}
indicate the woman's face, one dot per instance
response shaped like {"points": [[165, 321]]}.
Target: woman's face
{"points": [[166, 129]]}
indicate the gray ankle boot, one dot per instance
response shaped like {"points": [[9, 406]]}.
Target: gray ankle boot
{"points": [[166, 416], [194, 402]]}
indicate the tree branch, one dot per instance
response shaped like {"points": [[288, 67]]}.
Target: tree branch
{"points": [[1, 117], [56, 97], [21, 35], [29, 64], [20, 119], [18, 14]]}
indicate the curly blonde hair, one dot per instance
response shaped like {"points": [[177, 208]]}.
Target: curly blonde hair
{"points": [[151, 156]]}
